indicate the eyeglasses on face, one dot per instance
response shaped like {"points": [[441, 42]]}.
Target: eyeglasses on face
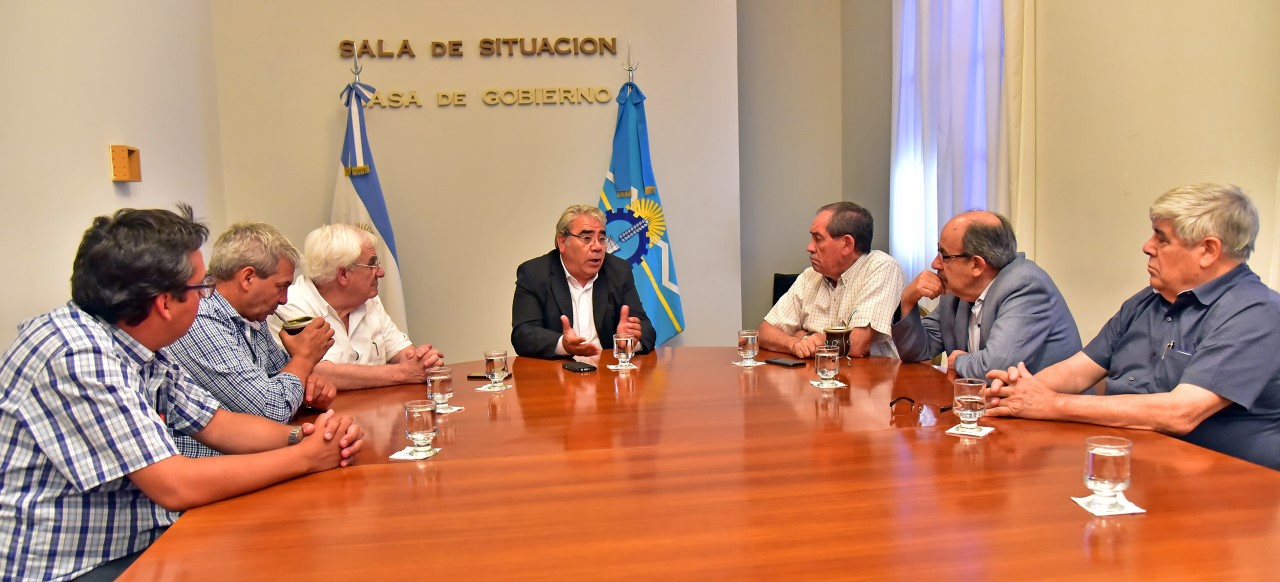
{"points": [[942, 255], [205, 288], [372, 264], [589, 237]]}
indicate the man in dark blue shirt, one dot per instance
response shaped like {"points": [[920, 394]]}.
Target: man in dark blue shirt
{"points": [[1195, 355]]}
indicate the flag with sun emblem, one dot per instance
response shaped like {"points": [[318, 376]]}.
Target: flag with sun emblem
{"points": [[634, 219]]}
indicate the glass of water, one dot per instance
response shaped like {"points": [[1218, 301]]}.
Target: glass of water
{"points": [[624, 346], [440, 388], [969, 404], [748, 347], [495, 367], [421, 427], [1106, 469], [827, 361]]}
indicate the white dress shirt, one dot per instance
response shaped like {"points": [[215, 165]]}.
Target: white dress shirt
{"points": [[584, 316], [372, 338]]}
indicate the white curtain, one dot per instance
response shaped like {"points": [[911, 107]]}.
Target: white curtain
{"points": [[1017, 158], [947, 59]]}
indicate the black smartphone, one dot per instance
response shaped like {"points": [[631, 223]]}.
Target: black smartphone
{"points": [[787, 362], [579, 367], [481, 376]]}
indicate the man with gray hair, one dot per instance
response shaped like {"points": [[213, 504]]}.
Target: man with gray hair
{"points": [[1193, 355], [571, 301], [229, 350], [340, 284], [996, 307]]}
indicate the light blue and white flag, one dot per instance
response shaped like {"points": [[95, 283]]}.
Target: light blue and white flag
{"points": [[357, 199], [634, 218]]}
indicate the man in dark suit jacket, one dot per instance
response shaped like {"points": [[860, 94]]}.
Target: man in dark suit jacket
{"points": [[556, 292], [1021, 316]]}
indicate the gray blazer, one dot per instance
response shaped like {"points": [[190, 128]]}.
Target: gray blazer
{"points": [[1024, 319]]}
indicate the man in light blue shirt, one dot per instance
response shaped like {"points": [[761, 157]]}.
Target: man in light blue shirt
{"points": [[229, 350]]}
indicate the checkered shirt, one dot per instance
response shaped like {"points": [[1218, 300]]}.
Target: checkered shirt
{"points": [[83, 405], [239, 364], [867, 294]]}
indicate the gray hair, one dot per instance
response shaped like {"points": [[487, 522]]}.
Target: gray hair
{"points": [[995, 243], [332, 246], [1222, 211], [250, 244], [850, 219], [567, 217]]}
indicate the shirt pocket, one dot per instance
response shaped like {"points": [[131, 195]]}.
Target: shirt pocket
{"points": [[1170, 368]]}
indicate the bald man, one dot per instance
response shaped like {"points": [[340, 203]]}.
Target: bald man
{"points": [[996, 309]]}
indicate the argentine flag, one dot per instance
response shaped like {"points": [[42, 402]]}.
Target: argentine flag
{"points": [[634, 219], [357, 199]]}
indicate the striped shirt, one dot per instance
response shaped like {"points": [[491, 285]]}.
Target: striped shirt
{"points": [[83, 405], [239, 364], [867, 294]]}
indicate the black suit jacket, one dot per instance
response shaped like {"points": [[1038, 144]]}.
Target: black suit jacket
{"points": [[542, 296]]}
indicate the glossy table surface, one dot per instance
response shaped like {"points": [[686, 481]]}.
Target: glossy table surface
{"points": [[693, 468]]}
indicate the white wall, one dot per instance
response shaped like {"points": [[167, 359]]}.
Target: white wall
{"points": [[473, 192], [1135, 98], [78, 77], [815, 99]]}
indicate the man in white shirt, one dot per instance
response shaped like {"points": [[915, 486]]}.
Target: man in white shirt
{"points": [[340, 283], [847, 285], [572, 300]]}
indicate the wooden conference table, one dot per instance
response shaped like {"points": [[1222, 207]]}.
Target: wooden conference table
{"points": [[693, 468]]}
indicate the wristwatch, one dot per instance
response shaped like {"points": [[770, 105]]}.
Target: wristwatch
{"points": [[295, 435]]}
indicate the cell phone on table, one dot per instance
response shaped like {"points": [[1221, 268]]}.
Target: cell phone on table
{"points": [[579, 367], [786, 362]]}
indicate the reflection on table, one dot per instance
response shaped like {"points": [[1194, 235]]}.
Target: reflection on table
{"points": [[692, 467]]}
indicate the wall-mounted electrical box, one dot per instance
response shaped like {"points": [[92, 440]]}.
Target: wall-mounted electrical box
{"points": [[126, 164]]}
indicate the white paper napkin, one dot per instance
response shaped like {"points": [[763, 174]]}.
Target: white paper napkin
{"points": [[1124, 506], [752, 364], [407, 454], [979, 433], [818, 384], [618, 367]]}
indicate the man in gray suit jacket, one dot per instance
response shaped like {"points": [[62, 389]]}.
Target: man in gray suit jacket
{"points": [[997, 308]]}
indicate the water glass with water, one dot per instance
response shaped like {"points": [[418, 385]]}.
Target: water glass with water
{"points": [[1106, 469], [495, 368], [624, 346], [969, 404], [420, 426], [440, 388], [748, 347], [827, 361]]}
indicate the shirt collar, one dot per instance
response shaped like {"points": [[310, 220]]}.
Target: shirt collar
{"points": [[846, 277], [1210, 291], [573, 282]]}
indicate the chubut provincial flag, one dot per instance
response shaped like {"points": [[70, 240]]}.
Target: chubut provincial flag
{"points": [[357, 199], [634, 218]]}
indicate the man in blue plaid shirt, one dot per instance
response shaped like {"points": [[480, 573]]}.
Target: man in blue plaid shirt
{"points": [[89, 474], [229, 350]]}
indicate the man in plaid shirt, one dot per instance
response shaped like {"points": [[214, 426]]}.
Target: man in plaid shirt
{"points": [[89, 474], [847, 285], [229, 350]]}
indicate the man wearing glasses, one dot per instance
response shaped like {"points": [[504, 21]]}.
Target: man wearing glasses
{"points": [[996, 308], [572, 300], [89, 398], [229, 349], [340, 284]]}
